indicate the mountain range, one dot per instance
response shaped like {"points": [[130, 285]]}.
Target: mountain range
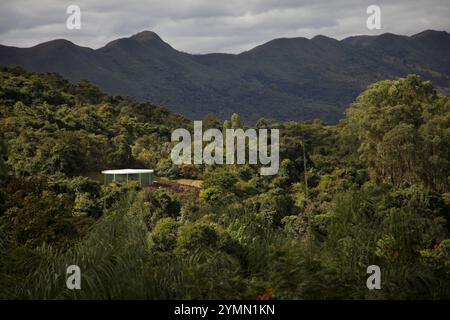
{"points": [[283, 79]]}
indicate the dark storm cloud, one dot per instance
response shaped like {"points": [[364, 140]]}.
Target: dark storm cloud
{"points": [[200, 26]]}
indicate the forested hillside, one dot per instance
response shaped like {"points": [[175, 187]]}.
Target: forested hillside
{"points": [[284, 79], [55, 127], [371, 190]]}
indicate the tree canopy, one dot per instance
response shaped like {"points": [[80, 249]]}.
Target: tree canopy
{"points": [[372, 190]]}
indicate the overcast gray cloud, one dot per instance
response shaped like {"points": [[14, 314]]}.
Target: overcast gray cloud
{"points": [[202, 26]]}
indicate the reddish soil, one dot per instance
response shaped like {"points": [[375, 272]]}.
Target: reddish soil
{"points": [[174, 187]]}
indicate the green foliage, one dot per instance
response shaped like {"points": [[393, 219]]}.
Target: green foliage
{"points": [[197, 236], [111, 260], [160, 204], [274, 205], [164, 235], [35, 213], [53, 127], [393, 121], [372, 190]]}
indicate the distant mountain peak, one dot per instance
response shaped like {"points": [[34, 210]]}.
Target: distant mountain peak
{"points": [[146, 36], [57, 43], [284, 79], [431, 33], [143, 39], [322, 37]]}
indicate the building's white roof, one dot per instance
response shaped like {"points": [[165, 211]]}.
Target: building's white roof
{"points": [[127, 171]]}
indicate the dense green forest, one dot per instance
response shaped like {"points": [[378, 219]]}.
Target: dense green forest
{"points": [[373, 189]]}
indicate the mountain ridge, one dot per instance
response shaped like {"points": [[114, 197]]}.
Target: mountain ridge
{"points": [[149, 33], [285, 78]]}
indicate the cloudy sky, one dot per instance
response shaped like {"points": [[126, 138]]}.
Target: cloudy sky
{"points": [[202, 26]]}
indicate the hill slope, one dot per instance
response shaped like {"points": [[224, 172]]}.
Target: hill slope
{"points": [[52, 126], [285, 79]]}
